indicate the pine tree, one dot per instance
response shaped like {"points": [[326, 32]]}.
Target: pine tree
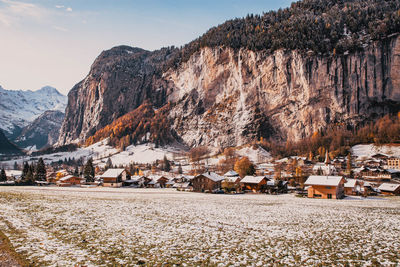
{"points": [[25, 171], [3, 176], [76, 171], [180, 171], [108, 164], [40, 174], [167, 164], [30, 179], [88, 171]]}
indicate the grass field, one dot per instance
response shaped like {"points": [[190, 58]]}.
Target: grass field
{"points": [[67, 226]]}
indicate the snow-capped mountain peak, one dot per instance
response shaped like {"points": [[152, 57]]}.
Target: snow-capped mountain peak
{"points": [[18, 108]]}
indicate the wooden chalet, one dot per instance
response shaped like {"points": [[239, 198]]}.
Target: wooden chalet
{"points": [[162, 181], [326, 187], [254, 183], [352, 187], [231, 181], [207, 182], [69, 180], [115, 177]]}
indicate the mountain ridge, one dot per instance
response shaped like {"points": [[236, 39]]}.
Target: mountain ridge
{"points": [[221, 95]]}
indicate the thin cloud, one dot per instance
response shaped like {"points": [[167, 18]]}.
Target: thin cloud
{"points": [[59, 7], [69, 9], [61, 29], [13, 11]]}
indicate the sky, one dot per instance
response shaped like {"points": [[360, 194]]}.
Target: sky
{"points": [[54, 42]]}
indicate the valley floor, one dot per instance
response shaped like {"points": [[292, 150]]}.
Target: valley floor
{"points": [[102, 226]]}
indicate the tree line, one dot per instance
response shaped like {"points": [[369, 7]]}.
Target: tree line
{"points": [[324, 27]]}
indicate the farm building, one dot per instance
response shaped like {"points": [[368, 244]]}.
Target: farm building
{"points": [[389, 189], [13, 175], [208, 181], [276, 187], [231, 181], [254, 183], [326, 187], [161, 181], [352, 187], [69, 180], [115, 177]]}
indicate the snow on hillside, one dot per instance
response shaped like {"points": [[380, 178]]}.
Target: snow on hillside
{"points": [[368, 150], [100, 152], [257, 155], [19, 108]]}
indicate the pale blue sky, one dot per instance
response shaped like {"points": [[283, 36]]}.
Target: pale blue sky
{"points": [[53, 42]]}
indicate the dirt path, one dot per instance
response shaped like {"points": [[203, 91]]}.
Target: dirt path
{"points": [[8, 256]]}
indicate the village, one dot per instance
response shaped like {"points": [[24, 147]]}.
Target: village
{"points": [[377, 174]]}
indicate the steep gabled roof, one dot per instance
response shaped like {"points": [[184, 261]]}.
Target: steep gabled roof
{"points": [[231, 173], [323, 180], [213, 176], [112, 173], [253, 179]]}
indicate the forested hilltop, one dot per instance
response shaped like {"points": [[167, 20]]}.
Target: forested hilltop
{"points": [[324, 27]]}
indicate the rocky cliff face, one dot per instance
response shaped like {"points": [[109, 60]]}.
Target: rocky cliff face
{"points": [[222, 97], [227, 98], [120, 80]]}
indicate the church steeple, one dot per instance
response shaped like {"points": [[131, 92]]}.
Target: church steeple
{"points": [[327, 160]]}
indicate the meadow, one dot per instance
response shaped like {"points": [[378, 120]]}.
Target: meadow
{"points": [[111, 227]]}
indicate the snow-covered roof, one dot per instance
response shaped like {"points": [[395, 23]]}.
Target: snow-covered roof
{"points": [[65, 178], [213, 176], [388, 187], [181, 185], [112, 173], [231, 173], [252, 179], [323, 180], [350, 183], [13, 173]]}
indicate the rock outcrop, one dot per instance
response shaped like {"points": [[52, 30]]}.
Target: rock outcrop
{"points": [[223, 97]]}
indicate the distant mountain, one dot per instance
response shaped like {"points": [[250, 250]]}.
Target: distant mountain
{"points": [[43, 131], [6, 147], [19, 108]]}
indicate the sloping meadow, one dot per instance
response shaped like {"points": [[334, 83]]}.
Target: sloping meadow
{"points": [[53, 226]]}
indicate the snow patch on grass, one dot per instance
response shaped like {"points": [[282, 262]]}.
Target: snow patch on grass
{"points": [[103, 226]]}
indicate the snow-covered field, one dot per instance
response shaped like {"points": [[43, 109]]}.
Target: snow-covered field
{"points": [[102, 226], [368, 150]]}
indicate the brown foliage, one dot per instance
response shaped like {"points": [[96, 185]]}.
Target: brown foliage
{"points": [[134, 127], [244, 167]]}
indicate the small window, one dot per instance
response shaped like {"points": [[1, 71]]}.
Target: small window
{"points": [[317, 195], [328, 187]]}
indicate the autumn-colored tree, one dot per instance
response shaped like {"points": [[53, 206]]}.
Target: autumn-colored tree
{"points": [[244, 167], [198, 153]]}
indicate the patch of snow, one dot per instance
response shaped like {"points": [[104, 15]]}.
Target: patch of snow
{"points": [[368, 150]]}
